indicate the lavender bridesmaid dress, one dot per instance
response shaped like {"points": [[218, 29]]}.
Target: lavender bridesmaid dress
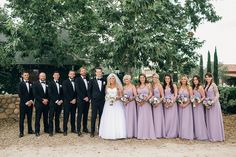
{"points": [[200, 130], [131, 115], [214, 119], [186, 118], [158, 116], [171, 117], [145, 118]]}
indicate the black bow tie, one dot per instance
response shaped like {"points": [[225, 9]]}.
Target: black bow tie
{"points": [[56, 82], [26, 81], [72, 80], [43, 82], [99, 79]]}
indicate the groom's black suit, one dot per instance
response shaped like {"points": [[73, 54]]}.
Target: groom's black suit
{"points": [[97, 97]]}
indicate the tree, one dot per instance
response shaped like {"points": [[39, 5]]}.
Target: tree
{"points": [[216, 72], [123, 34], [6, 39], [209, 62], [201, 71]]}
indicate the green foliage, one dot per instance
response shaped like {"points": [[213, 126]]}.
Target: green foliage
{"points": [[201, 71], [216, 68], [209, 62], [228, 99], [123, 34]]}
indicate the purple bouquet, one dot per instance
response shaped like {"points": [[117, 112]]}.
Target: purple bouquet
{"points": [[208, 103]]}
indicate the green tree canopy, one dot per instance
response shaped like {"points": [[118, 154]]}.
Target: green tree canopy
{"points": [[123, 34]]}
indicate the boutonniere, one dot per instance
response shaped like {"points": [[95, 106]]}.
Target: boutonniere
{"points": [[104, 83], [60, 86], [30, 84], [46, 85]]}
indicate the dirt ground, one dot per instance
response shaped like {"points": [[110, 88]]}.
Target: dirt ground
{"points": [[72, 145]]}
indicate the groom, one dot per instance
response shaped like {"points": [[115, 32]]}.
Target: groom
{"points": [[97, 96]]}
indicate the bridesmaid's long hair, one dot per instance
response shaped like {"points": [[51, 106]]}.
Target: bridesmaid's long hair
{"points": [[139, 82], [209, 75], [199, 82], [171, 83]]}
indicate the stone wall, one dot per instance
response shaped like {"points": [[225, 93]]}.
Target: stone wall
{"points": [[9, 106]]}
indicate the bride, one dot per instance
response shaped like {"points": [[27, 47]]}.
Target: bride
{"points": [[112, 125]]}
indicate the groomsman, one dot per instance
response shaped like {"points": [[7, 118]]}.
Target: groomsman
{"points": [[40, 91], [97, 97], [55, 94], [81, 83], [69, 93], [26, 103]]}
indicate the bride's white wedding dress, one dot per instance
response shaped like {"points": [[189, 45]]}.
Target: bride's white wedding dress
{"points": [[113, 125]]}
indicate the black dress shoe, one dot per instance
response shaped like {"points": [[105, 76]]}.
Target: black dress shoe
{"points": [[51, 134], [46, 131], [31, 132], [79, 133], [21, 135], [37, 134], [85, 131], [74, 131], [65, 133], [59, 131], [92, 135]]}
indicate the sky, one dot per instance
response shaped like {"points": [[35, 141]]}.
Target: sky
{"points": [[221, 34]]}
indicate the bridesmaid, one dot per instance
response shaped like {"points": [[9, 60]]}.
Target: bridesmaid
{"points": [[170, 109], [214, 119], [130, 108], [145, 118], [200, 129], [185, 110], [158, 114]]}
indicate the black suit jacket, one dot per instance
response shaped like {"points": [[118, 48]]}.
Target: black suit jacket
{"points": [[39, 94], [24, 94], [94, 93], [81, 90], [68, 93], [53, 93]]}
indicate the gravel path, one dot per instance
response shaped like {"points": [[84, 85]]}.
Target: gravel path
{"points": [[72, 145]]}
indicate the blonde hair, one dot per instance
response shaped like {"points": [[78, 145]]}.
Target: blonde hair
{"points": [[117, 81], [187, 83], [127, 77]]}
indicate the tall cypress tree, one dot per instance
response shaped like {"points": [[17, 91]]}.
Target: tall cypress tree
{"points": [[201, 71], [209, 62], [215, 72]]}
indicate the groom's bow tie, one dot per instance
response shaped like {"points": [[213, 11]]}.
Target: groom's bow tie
{"points": [[43, 82], [99, 79], [26, 81]]}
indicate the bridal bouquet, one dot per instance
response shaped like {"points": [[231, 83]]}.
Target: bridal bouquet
{"points": [[124, 98], [155, 100], [167, 102], [140, 98], [111, 99], [182, 99], [208, 103], [194, 100]]}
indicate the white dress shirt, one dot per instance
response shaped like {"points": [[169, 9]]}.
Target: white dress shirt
{"points": [[43, 85], [27, 84], [73, 84], [85, 81], [58, 86], [99, 84]]}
